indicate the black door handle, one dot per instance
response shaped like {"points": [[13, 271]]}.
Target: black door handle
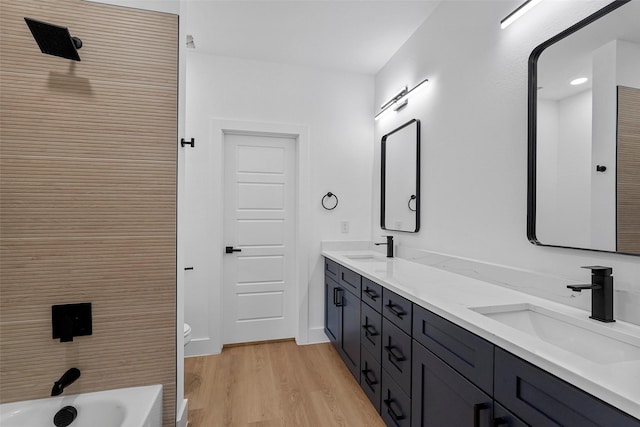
{"points": [[398, 356], [392, 308], [395, 415], [337, 298], [370, 330], [476, 412], [230, 249], [371, 293]]}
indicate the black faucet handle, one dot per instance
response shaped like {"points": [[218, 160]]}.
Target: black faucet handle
{"points": [[598, 270]]}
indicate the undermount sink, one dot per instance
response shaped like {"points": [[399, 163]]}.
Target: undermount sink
{"points": [[597, 343], [365, 257]]}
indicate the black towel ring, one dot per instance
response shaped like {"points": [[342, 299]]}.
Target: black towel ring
{"points": [[413, 197], [329, 195]]}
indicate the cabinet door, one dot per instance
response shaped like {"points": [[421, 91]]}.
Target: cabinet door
{"points": [[370, 378], [372, 294], [443, 397], [332, 269], [332, 313], [397, 309], [395, 406], [351, 331], [540, 398], [371, 330], [350, 280], [396, 355], [466, 352]]}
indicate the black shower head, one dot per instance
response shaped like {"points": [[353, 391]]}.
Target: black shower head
{"points": [[54, 39]]}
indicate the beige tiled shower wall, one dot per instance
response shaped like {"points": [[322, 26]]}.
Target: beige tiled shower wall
{"points": [[88, 199]]}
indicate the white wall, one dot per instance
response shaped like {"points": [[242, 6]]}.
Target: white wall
{"points": [[563, 202], [336, 109], [474, 142]]}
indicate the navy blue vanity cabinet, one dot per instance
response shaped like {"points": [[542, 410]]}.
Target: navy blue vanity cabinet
{"points": [[332, 270], [371, 377], [397, 309], [371, 331], [351, 332], [396, 355], [395, 405], [332, 312], [466, 352], [540, 399], [350, 280], [342, 320], [372, 294], [443, 397]]}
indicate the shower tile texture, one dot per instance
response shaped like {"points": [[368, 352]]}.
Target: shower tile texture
{"points": [[88, 198]]}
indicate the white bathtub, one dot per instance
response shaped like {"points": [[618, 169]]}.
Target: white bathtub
{"points": [[125, 407]]}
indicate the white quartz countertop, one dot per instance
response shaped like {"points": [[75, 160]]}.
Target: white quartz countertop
{"points": [[452, 296]]}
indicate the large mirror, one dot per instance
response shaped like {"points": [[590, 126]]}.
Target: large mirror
{"points": [[584, 134], [400, 189]]}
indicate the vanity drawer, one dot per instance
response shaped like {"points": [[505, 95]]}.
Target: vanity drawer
{"points": [[371, 378], [350, 280], [332, 269], [540, 398], [397, 309], [396, 355], [371, 331], [395, 405], [372, 294], [464, 351]]}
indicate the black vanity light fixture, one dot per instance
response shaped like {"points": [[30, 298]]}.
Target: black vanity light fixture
{"points": [[521, 10], [54, 40], [400, 99]]}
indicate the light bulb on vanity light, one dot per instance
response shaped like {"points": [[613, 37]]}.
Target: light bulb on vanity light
{"points": [[521, 10], [400, 99]]}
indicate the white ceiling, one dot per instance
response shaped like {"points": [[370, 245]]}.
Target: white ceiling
{"points": [[348, 35]]}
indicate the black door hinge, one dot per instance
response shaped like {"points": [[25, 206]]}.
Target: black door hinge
{"points": [[192, 143]]}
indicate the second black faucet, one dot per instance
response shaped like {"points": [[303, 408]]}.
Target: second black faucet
{"points": [[389, 246]]}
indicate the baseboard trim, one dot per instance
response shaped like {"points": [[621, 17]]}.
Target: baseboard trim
{"points": [[182, 420], [317, 336], [200, 347]]}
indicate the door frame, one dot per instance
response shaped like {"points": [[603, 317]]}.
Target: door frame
{"points": [[300, 134]]}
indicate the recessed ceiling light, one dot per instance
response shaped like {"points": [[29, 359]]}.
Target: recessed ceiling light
{"points": [[579, 81]]}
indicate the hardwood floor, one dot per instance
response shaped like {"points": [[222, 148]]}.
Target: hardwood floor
{"points": [[275, 384]]}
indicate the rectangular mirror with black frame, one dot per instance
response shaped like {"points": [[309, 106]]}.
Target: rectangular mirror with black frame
{"points": [[584, 134], [400, 187]]}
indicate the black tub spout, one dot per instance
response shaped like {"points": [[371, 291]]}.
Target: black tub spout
{"points": [[66, 380]]}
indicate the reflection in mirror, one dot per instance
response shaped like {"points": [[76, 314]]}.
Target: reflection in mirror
{"points": [[584, 134], [400, 210]]}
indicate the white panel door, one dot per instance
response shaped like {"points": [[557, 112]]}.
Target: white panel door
{"points": [[259, 221]]}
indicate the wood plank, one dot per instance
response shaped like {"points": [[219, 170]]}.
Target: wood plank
{"points": [[628, 170], [275, 384]]}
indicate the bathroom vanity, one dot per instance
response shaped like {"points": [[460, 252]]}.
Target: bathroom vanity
{"points": [[431, 347]]}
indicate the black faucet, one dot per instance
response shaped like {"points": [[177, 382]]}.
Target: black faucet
{"points": [[601, 293], [389, 246], [67, 379]]}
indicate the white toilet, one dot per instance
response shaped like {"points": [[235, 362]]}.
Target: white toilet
{"points": [[187, 333]]}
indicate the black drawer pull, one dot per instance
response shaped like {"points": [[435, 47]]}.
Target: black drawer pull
{"points": [[337, 299], [370, 382], [392, 308], [390, 411], [371, 294], [476, 413], [369, 330], [497, 422], [398, 356]]}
